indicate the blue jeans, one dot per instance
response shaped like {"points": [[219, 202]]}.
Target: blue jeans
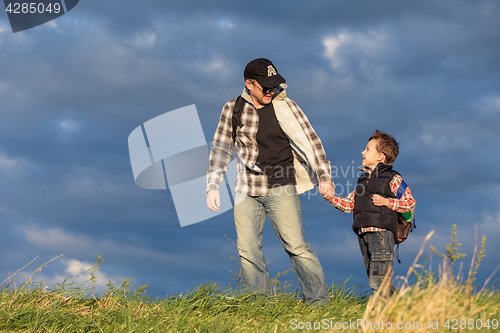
{"points": [[377, 249], [283, 207]]}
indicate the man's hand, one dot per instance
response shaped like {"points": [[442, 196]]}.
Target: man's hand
{"points": [[380, 201], [327, 190], [213, 200]]}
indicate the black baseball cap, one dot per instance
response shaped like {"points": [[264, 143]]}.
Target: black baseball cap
{"points": [[263, 71]]}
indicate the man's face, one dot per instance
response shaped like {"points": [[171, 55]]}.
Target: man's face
{"points": [[259, 98]]}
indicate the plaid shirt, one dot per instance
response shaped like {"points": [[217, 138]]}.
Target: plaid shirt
{"points": [[250, 179], [403, 205]]}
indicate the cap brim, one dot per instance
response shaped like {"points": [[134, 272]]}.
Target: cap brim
{"points": [[272, 81]]}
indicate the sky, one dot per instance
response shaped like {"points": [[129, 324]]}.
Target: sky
{"points": [[73, 89]]}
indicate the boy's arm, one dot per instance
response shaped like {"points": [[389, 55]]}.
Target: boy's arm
{"points": [[346, 205], [405, 204]]}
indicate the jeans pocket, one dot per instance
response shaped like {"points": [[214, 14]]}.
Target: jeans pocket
{"points": [[380, 264], [379, 235]]}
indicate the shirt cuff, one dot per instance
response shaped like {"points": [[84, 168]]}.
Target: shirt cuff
{"points": [[335, 203], [392, 204], [326, 178], [212, 187]]}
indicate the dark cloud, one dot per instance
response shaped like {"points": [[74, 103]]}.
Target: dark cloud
{"points": [[72, 91]]}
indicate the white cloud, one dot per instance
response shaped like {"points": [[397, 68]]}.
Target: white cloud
{"points": [[59, 240], [491, 224], [80, 274], [216, 67], [15, 166], [4, 29], [53, 24], [69, 125], [455, 136], [442, 135], [54, 238], [488, 105], [346, 47], [144, 40], [332, 49], [7, 163], [225, 23], [75, 267]]}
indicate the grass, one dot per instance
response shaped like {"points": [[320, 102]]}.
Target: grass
{"points": [[424, 306], [207, 308], [439, 303]]}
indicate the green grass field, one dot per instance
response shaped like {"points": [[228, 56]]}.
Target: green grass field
{"points": [[436, 303]]}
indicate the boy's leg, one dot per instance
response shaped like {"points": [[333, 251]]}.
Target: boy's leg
{"points": [[283, 207], [381, 254], [363, 246], [249, 220]]}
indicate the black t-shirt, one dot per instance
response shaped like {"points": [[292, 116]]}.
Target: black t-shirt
{"points": [[275, 153]]}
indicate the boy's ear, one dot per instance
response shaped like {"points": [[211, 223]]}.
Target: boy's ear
{"points": [[382, 158]]}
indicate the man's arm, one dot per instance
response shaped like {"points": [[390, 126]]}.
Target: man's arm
{"points": [[323, 166], [213, 200], [220, 155]]}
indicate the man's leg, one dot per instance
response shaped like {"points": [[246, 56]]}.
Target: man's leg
{"points": [[249, 220], [381, 253], [283, 207]]}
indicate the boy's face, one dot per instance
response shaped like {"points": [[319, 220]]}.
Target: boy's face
{"points": [[371, 157]]}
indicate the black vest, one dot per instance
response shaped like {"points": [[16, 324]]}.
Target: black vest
{"points": [[366, 214]]}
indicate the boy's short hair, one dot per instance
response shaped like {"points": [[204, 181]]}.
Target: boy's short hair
{"points": [[386, 145]]}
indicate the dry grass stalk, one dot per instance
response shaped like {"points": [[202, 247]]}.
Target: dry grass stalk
{"points": [[428, 304]]}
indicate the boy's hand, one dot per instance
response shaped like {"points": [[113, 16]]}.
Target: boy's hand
{"points": [[380, 201], [332, 199]]}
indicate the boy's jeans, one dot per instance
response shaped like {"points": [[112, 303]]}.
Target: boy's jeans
{"points": [[377, 249], [283, 207]]}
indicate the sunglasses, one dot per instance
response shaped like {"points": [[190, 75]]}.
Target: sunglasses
{"points": [[265, 90]]}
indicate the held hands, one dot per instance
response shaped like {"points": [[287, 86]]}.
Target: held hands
{"points": [[380, 201], [327, 190], [332, 199], [213, 200]]}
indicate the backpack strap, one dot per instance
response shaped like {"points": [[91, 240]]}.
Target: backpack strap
{"points": [[404, 218], [237, 111], [396, 253]]}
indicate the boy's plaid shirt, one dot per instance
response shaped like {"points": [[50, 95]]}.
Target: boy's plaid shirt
{"points": [[403, 205], [250, 179]]}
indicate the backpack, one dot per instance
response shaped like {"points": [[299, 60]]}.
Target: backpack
{"points": [[405, 220], [237, 111], [405, 226]]}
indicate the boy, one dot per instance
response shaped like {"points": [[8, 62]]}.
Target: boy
{"points": [[376, 207]]}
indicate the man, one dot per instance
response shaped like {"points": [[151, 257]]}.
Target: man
{"points": [[279, 156]]}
